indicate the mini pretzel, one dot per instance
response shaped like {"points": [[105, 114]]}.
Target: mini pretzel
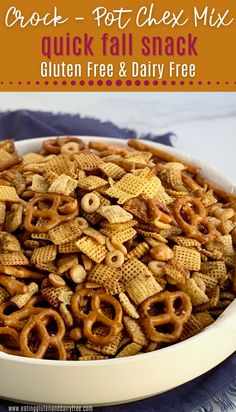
{"points": [[51, 146], [13, 334], [40, 322], [190, 215], [63, 209], [20, 272], [90, 202], [95, 315], [16, 318], [12, 285], [170, 315]]}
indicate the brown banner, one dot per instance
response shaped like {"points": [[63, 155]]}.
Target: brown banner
{"points": [[96, 45]]}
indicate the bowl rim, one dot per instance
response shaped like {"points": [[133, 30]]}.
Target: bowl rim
{"points": [[142, 356]]}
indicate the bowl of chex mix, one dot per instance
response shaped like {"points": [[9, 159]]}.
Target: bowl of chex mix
{"points": [[117, 269]]}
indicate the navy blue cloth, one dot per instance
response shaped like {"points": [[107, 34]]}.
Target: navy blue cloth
{"points": [[204, 394]]}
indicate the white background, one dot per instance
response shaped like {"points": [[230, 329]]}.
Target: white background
{"points": [[204, 123]]}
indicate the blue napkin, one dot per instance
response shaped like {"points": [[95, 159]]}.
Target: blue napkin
{"points": [[213, 389]]}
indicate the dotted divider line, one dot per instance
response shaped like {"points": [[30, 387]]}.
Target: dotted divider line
{"points": [[118, 83]]}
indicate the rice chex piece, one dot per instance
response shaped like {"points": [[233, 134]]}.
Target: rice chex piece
{"points": [[4, 295], [163, 197], [44, 254], [105, 276], [176, 271], [152, 186], [128, 186], [129, 350], [208, 198], [65, 232], [29, 158], [47, 267], [186, 242], [39, 184], [128, 307], [13, 258], [21, 300], [115, 214], [228, 245], [141, 287], [135, 331], [131, 269], [60, 164], [87, 161], [63, 184], [92, 249], [190, 259], [112, 170], [191, 328], [110, 349], [91, 182], [2, 212], [9, 194], [196, 294], [138, 207]]}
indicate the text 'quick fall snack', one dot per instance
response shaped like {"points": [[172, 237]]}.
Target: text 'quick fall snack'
{"points": [[109, 251]]}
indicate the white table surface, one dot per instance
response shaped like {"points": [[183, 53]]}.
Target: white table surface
{"points": [[205, 123]]}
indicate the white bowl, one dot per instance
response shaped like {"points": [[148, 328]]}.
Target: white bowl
{"points": [[120, 380]]}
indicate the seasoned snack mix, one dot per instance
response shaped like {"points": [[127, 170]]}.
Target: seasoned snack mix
{"points": [[109, 251]]}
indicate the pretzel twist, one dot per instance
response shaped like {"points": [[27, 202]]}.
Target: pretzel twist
{"points": [[190, 215], [62, 209], [40, 322], [95, 315], [14, 335], [172, 316], [16, 318]]}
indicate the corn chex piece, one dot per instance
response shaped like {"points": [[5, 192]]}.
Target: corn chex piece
{"points": [[110, 349], [135, 331], [56, 296], [103, 200], [216, 270], [39, 184], [128, 307], [128, 186], [8, 194], [4, 295], [68, 247], [204, 318], [174, 180], [105, 276], [191, 328], [44, 254], [186, 242], [29, 158], [47, 267], [208, 199], [21, 300], [91, 182], [120, 235], [152, 185], [152, 235], [60, 165], [84, 351], [2, 212], [132, 268], [92, 249], [140, 250], [141, 287], [190, 259], [129, 350], [63, 184], [87, 161], [176, 271], [115, 214], [228, 245], [4, 155], [196, 294], [111, 170], [138, 208], [13, 258], [163, 197], [65, 232]]}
